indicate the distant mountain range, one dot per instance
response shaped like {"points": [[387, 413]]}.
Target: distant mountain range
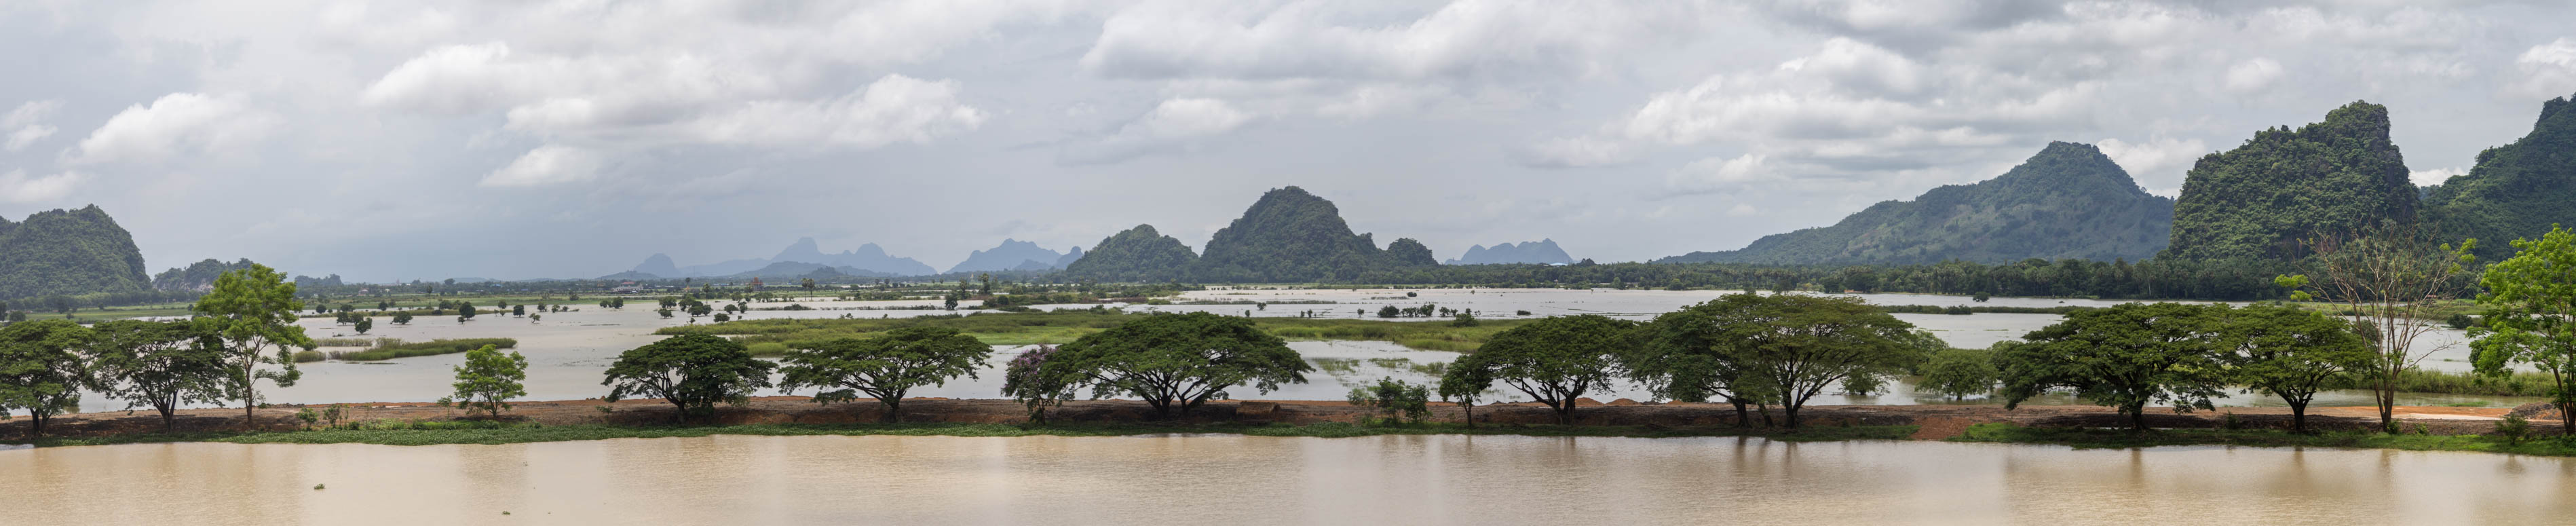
{"points": [[1016, 255], [1288, 235], [2068, 201], [1542, 252], [799, 258]]}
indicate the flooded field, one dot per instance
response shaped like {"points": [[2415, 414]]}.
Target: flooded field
{"points": [[1219, 479]]}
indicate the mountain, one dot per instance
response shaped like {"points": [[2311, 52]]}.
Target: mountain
{"points": [[2068, 201], [1070, 256], [1009, 256], [2516, 191], [68, 252], [799, 269], [1542, 251], [197, 277], [867, 260], [1138, 254], [2261, 199], [631, 276], [1287, 236]]}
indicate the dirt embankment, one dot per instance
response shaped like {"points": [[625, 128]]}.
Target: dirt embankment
{"points": [[1937, 421]]}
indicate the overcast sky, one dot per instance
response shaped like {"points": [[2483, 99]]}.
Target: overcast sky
{"points": [[403, 140]]}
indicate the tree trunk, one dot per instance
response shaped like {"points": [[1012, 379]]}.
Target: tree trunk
{"points": [[2299, 416], [2137, 416], [169, 421], [1790, 414], [1470, 406], [893, 411], [1742, 418], [1565, 413]]}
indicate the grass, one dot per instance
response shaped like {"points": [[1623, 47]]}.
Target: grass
{"points": [[1034, 328], [2094, 438], [391, 348], [2446, 382], [483, 432]]}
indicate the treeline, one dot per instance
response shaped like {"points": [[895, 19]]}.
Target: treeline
{"points": [[2117, 279], [246, 321]]}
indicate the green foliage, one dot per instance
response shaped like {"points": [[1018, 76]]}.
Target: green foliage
{"points": [[691, 371], [1464, 319], [389, 348], [488, 380], [2513, 429], [68, 253], [2068, 201], [1778, 348], [2283, 186], [2530, 300], [2515, 191], [160, 365], [1396, 401], [41, 369], [1178, 360], [2290, 352], [196, 277], [1960, 373], [252, 311], [884, 367], [1553, 360], [1136, 255], [1025, 380], [1288, 236], [2123, 357]]}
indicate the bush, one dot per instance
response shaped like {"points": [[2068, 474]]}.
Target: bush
{"points": [[1463, 320], [2460, 321], [2513, 428], [1397, 400], [308, 356]]}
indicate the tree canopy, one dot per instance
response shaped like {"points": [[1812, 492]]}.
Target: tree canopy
{"points": [[161, 365], [691, 371], [488, 380], [884, 367], [1553, 360], [252, 311], [41, 368], [1178, 361], [2124, 357], [2530, 301]]}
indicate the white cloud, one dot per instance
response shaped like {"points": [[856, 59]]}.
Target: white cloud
{"points": [[1174, 125], [547, 165], [1305, 39], [2253, 75], [1720, 173], [17, 187], [176, 123], [30, 112], [2433, 176], [2548, 70], [895, 108], [26, 135], [1576, 152], [1743, 210]]}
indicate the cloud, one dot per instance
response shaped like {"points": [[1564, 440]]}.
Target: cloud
{"points": [[1576, 152], [2158, 163], [176, 123], [893, 109], [547, 165], [26, 135], [2548, 70], [2252, 75], [1469, 38], [25, 124], [1716, 174], [17, 187], [2433, 176], [1173, 125]]}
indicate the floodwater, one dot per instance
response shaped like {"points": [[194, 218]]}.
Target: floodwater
{"points": [[1239, 480], [567, 352]]}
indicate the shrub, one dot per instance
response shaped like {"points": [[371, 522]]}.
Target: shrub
{"points": [[2513, 428], [1397, 400]]}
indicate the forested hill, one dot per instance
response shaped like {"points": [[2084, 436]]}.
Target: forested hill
{"points": [[2283, 186], [196, 277], [1136, 255], [68, 252], [2516, 191], [1289, 236], [2069, 201]]}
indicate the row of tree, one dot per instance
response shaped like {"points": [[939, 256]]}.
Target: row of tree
{"points": [[246, 321]]}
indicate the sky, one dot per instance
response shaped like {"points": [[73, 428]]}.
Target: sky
{"points": [[425, 140]]}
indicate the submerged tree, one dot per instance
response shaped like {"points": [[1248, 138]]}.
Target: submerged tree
{"points": [[884, 367]]}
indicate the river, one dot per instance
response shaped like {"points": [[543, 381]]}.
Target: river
{"points": [[1239, 480]]}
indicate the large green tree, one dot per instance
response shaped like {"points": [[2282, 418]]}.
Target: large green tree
{"points": [[42, 370], [1798, 345], [1687, 355], [161, 365], [253, 311], [1178, 360], [1959, 373], [691, 371], [1553, 360], [883, 367], [2124, 357], [2530, 316], [2291, 353]]}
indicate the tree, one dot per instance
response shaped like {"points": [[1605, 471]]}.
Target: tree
{"points": [[401, 318], [1553, 360], [1178, 360], [464, 311], [159, 364], [884, 367], [1959, 373], [2124, 357], [1025, 380], [1397, 400], [2388, 277], [2291, 353], [1686, 355], [363, 325], [253, 311], [691, 371], [41, 369], [2529, 302], [519, 310], [1795, 346], [1464, 387], [488, 381]]}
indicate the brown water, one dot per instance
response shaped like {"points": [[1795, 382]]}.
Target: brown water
{"points": [[1236, 480]]}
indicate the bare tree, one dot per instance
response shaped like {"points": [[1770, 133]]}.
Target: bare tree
{"points": [[2388, 278]]}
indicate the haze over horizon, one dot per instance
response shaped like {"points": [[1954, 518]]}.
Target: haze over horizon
{"points": [[399, 140]]}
